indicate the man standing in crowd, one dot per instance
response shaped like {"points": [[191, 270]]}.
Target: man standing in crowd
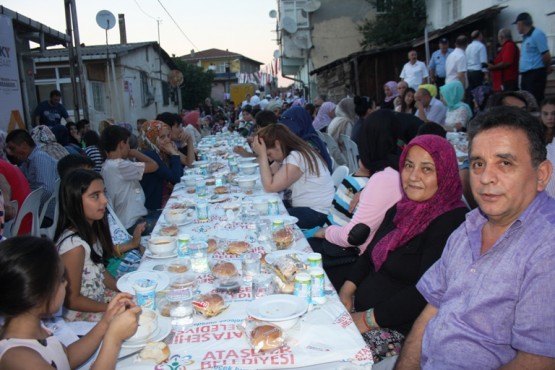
{"points": [[50, 112], [414, 71], [535, 59], [490, 295], [255, 100], [437, 63], [504, 69], [476, 60], [455, 65]]}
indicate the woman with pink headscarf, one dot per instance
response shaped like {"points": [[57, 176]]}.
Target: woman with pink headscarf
{"points": [[325, 114], [381, 286], [191, 125], [390, 91]]}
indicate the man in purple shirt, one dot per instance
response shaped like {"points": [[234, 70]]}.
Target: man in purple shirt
{"points": [[491, 295]]}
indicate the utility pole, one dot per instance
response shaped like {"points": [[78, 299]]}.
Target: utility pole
{"points": [[76, 61]]}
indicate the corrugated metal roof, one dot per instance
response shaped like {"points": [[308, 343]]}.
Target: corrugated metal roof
{"points": [[213, 54], [22, 24], [99, 52]]}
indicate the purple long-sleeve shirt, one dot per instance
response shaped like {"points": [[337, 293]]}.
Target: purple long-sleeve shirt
{"points": [[490, 306]]}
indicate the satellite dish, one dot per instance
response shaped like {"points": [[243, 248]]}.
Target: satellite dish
{"points": [[289, 24], [311, 6], [105, 19], [272, 13], [175, 78], [276, 54]]}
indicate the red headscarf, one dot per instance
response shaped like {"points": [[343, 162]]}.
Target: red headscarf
{"points": [[412, 218], [191, 118]]}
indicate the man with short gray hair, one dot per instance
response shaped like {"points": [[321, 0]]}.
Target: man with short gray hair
{"points": [[504, 68]]}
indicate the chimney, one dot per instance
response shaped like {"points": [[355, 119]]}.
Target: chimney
{"points": [[122, 32]]}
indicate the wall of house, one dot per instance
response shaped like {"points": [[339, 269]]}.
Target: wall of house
{"points": [[334, 29], [124, 102]]}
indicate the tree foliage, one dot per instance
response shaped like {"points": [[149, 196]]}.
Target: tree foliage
{"points": [[197, 84], [396, 21]]}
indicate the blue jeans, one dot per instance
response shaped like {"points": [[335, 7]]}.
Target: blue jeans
{"points": [[308, 218]]}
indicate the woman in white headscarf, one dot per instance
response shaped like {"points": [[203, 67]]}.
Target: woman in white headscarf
{"points": [[324, 115], [342, 124]]}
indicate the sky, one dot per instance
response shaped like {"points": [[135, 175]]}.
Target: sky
{"points": [[240, 26]]}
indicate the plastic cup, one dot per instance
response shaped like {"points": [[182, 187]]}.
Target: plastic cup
{"points": [[199, 256], [145, 293], [262, 285], [250, 266], [183, 241], [181, 309]]}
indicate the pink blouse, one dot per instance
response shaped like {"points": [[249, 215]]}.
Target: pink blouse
{"points": [[382, 191]]}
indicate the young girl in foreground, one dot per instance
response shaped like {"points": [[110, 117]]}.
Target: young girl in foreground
{"points": [[33, 287], [84, 243]]}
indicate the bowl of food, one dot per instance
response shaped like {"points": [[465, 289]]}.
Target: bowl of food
{"points": [[175, 216], [248, 168], [163, 245], [246, 183], [179, 266], [200, 163], [190, 180], [148, 323], [241, 160], [187, 280]]}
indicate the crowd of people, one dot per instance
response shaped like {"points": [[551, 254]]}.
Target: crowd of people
{"points": [[440, 264]]}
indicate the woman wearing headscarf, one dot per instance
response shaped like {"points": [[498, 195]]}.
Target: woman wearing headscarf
{"points": [[324, 116], [45, 140], [458, 113], [192, 126], [156, 143], [299, 122], [381, 287], [390, 91], [342, 124]]}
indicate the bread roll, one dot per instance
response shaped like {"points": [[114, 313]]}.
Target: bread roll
{"points": [[238, 247], [156, 351], [209, 304], [224, 270], [283, 238], [266, 337], [212, 245]]}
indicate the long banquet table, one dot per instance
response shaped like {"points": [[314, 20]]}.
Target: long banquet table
{"points": [[324, 337]]}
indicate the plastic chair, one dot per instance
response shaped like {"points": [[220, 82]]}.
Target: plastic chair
{"points": [[339, 174], [31, 205], [330, 143], [352, 152], [8, 224], [50, 230]]}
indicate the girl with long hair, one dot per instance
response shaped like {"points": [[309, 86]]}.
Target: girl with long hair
{"points": [[85, 244], [298, 167], [34, 285]]}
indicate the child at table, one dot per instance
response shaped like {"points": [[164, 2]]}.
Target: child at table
{"points": [[84, 243], [33, 287]]}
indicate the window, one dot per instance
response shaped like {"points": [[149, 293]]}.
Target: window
{"points": [[165, 93], [451, 11], [147, 97], [98, 96], [45, 73], [67, 95]]}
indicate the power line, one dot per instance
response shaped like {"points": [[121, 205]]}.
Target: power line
{"points": [[145, 13], [177, 25]]}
